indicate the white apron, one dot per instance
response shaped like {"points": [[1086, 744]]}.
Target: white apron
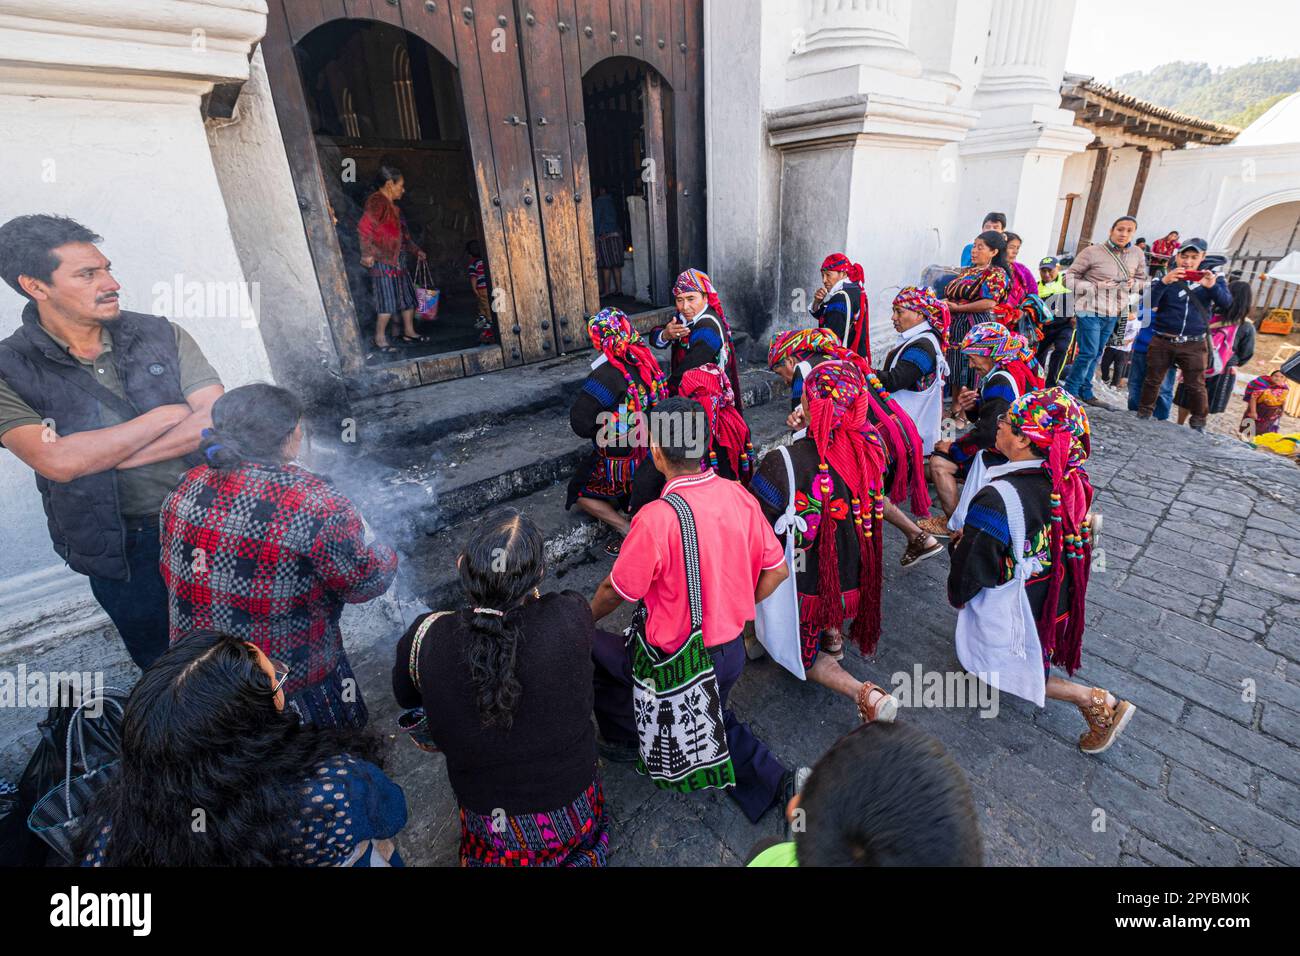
{"points": [[997, 636], [924, 408], [776, 617]]}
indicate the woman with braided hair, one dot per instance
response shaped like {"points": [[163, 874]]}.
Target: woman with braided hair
{"points": [[839, 470], [1007, 369], [840, 305], [503, 687], [625, 382], [698, 334], [793, 355], [1020, 568]]}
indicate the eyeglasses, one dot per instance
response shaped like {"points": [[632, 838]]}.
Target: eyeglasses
{"points": [[1004, 420], [281, 676]]}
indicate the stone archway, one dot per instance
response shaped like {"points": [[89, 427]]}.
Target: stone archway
{"points": [[1227, 230]]}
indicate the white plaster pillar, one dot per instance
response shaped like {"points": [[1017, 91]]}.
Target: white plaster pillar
{"points": [[869, 33], [1018, 65], [1013, 159]]}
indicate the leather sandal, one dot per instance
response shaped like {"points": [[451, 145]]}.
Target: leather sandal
{"points": [[876, 705], [1105, 723], [832, 645], [918, 550]]}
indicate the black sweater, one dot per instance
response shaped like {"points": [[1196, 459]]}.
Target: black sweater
{"points": [[548, 756]]}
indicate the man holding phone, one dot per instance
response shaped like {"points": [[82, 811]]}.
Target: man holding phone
{"points": [[1182, 301]]}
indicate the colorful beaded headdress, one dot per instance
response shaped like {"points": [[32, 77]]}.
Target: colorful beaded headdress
{"points": [[1053, 420], [613, 336], [837, 406], [924, 303]]}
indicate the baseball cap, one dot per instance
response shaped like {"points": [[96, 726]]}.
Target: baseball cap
{"points": [[1195, 244], [1048, 262]]}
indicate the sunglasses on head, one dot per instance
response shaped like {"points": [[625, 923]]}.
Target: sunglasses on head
{"points": [[1004, 420]]}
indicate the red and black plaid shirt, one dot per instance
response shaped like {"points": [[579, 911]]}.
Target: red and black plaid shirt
{"points": [[269, 554]]}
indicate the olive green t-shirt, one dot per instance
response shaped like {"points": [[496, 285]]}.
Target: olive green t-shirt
{"points": [[140, 491]]}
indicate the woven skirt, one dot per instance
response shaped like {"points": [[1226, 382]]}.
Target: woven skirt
{"points": [[609, 251], [604, 478], [574, 835], [392, 288]]}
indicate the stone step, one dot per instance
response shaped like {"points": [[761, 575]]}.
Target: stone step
{"points": [[464, 474], [572, 539], [391, 425]]}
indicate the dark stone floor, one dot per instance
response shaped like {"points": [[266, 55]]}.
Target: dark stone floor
{"points": [[1195, 619]]}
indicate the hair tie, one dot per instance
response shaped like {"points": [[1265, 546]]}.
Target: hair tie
{"points": [[213, 448], [489, 610]]}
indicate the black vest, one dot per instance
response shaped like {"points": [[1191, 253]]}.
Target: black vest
{"points": [[85, 523]]}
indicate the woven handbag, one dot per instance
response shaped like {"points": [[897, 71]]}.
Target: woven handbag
{"points": [[676, 700]]}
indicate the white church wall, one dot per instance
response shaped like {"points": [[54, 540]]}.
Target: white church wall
{"points": [[1272, 230], [249, 158], [1213, 192], [1076, 175]]}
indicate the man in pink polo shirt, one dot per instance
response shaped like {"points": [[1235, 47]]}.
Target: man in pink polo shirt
{"points": [[741, 563]]}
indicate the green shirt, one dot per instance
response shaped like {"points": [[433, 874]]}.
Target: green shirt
{"points": [[140, 491], [780, 854], [1055, 287]]}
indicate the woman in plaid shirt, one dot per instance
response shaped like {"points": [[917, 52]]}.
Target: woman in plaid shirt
{"points": [[264, 550]]}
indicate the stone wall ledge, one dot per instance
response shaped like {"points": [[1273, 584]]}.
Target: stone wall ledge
{"points": [[79, 41], [871, 116]]}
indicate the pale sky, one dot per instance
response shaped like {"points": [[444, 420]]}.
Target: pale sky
{"points": [[1111, 37]]}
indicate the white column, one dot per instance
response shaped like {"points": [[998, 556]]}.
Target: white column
{"points": [[1013, 159], [862, 33], [1018, 64]]}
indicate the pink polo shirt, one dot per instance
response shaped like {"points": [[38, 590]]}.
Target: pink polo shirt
{"points": [[736, 546]]}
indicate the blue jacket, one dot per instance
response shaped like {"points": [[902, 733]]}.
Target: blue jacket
{"points": [[1184, 308]]}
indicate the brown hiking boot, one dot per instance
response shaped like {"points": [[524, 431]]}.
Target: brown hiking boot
{"points": [[1104, 723]]}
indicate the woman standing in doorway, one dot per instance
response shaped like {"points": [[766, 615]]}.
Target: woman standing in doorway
{"points": [[384, 238]]}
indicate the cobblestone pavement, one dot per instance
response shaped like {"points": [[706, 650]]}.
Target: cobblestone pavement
{"points": [[1195, 619]]}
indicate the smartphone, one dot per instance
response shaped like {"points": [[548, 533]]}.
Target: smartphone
{"points": [[1194, 275]]}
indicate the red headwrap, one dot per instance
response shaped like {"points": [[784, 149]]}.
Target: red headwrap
{"points": [[896, 428], [1054, 420], [846, 441], [839, 262], [708, 386]]}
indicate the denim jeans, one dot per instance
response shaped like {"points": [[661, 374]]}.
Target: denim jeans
{"points": [[1091, 334], [138, 606], [1137, 373]]}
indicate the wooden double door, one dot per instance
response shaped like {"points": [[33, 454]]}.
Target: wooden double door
{"points": [[519, 66]]}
